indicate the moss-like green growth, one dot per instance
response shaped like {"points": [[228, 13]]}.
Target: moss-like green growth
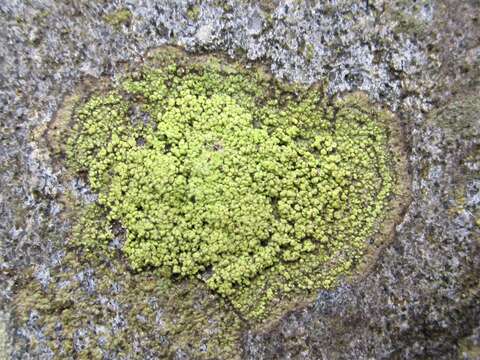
{"points": [[118, 17], [193, 12], [309, 52], [260, 190]]}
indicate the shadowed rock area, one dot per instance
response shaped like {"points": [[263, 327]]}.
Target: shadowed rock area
{"points": [[419, 300]]}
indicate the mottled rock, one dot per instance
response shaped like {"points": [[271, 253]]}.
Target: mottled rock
{"points": [[420, 59]]}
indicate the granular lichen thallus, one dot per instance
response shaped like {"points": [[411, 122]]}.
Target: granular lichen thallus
{"points": [[259, 189]]}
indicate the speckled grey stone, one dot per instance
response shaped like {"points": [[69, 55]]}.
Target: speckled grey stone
{"points": [[421, 60]]}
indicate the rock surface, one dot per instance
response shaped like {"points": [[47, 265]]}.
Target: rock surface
{"points": [[421, 59]]}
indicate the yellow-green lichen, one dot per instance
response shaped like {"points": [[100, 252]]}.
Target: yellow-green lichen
{"points": [[118, 17], [193, 13], [260, 190]]}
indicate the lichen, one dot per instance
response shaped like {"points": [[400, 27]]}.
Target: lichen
{"points": [[118, 17], [193, 13], [148, 304], [259, 189]]}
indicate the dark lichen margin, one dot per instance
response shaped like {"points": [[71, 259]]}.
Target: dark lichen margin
{"points": [[401, 197]]}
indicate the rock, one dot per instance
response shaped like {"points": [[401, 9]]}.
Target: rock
{"points": [[418, 59]]}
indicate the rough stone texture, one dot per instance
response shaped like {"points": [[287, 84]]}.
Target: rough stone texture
{"points": [[4, 341], [421, 59]]}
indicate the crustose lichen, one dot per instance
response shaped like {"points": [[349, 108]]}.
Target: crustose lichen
{"points": [[258, 190]]}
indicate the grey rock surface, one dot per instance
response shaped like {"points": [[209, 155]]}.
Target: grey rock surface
{"points": [[420, 59]]}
